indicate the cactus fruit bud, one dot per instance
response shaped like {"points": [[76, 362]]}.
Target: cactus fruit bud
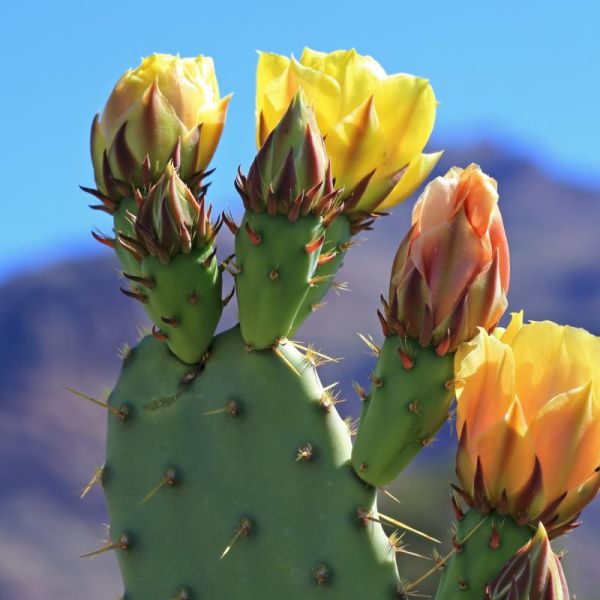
{"points": [[533, 573], [451, 272], [528, 417], [290, 202], [168, 108], [375, 125], [171, 220], [291, 174]]}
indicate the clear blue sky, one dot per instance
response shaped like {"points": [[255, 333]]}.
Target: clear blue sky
{"points": [[526, 72]]}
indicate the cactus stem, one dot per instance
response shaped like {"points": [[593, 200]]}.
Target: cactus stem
{"points": [[121, 544], [452, 384], [193, 297], [406, 360], [321, 574], [274, 275], [158, 334], [314, 244], [282, 356], [371, 345], [147, 282], [231, 408], [121, 412], [305, 453], [244, 528], [183, 594], [441, 561], [253, 236], [169, 480], [96, 478]]}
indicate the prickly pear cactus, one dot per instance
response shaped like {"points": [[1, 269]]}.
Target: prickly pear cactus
{"points": [[229, 472], [233, 480]]}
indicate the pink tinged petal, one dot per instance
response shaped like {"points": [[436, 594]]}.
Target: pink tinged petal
{"points": [[486, 298], [499, 244], [435, 206], [481, 201], [558, 432], [449, 257]]}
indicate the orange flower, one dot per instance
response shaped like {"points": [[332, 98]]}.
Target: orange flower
{"points": [[451, 272], [529, 421]]}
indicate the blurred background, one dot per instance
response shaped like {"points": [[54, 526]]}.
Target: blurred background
{"points": [[519, 91]]}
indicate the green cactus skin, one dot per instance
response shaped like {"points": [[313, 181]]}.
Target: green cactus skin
{"points": [[404, 410], [337, 236], [185, 299], [275, 274], [204, 458], [484, 543]]}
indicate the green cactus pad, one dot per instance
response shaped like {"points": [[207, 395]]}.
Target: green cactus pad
{"points": [[275, 273], [185, 300], [408, 403], [483, 544], [337, 236], [238, 454]]}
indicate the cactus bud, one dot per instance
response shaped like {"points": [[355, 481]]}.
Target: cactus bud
{"points": [[451, 272], [533, 573], [167, 108]]}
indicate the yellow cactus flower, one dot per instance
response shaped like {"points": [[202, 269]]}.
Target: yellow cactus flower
{"points": [[375, 125], [168, 108], [528, 418]]}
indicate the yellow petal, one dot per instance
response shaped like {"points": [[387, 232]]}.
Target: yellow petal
{"points": [[507, 454], [508, 335], [322, 92], [485, 368], [418, 170], [406, 108], [274, 87], [557, 432], [356, 74]]}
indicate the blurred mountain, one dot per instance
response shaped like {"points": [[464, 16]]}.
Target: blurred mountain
{"points": [[63, 326]]}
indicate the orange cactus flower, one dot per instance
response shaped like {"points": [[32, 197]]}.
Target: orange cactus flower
{"points": [[528, 417], [451, 272]]}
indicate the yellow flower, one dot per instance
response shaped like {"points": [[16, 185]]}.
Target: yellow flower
{"points": [[375, 125], [167, 108], [529, 421]]}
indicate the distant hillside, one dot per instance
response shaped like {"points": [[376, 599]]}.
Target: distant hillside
{"points": [[63, 325]]}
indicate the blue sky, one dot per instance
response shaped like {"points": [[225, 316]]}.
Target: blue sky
{"points": [[525, 73]]}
